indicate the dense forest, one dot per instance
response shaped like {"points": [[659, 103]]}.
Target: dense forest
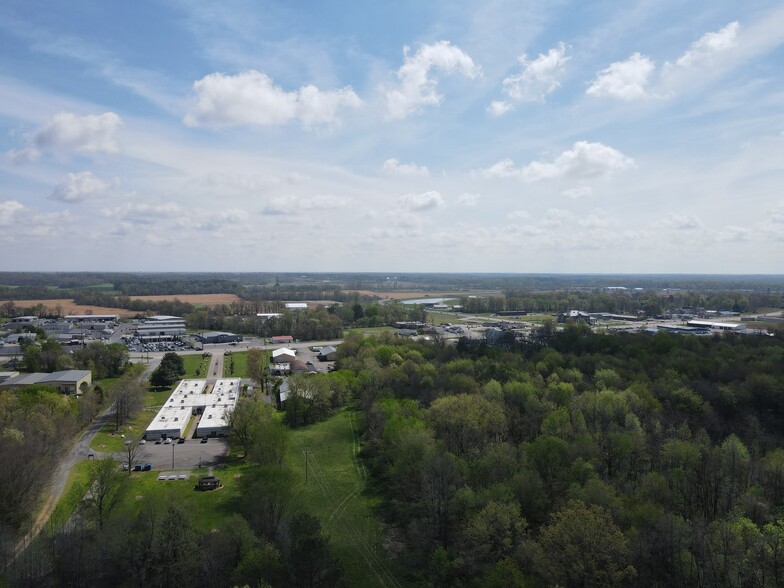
{"points": [[592, 460]]}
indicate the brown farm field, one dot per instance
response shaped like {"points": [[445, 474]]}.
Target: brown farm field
{"points": [[68, 306], [205, 299]]}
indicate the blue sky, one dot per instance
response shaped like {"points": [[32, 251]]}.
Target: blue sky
{"points": [[521, 136]]}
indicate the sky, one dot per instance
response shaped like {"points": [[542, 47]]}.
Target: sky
{"points": [[637, 136]]}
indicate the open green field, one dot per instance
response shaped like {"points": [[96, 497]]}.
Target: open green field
{"points": [[205, 509], [335, 493], [240, 359], [72, 496], [195, 365], [370, 330]]}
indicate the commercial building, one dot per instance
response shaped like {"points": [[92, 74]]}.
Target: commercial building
{"points": [[194, 397], [296, 306], [284, 355], [67, 381], [216, 337], [160, 328], [723, 327]]}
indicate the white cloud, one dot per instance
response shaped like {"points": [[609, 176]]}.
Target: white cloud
{"points": [[68, 132], [578, 192], [81, 186], [8, 209], [680, 222], [624, 80], [584, 160], [539, 77], [417, 86], [518, 215], [424, 201], [733, 234], [498, 108], [143, 213], [709, 45], [556, 217], [467, 199], [251, 98], [285, 205], [393, 166]]}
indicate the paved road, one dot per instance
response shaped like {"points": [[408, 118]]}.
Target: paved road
{"points": [[79, 452], [81, 449]]}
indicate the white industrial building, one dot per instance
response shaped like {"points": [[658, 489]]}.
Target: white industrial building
{"points": [[160, 328], [284, 355], [724, 327], [194, 397]]}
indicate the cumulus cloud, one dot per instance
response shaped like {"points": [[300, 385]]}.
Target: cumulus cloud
{"points": [[538, 77], [142, 213], [709, 45], [81, 186], [578, 192], [681, 222], [583, 161], [424, 201], [467, 199], [251, 98], [8, 209], [417, 86], [68, 132], [498, 108], [285, 205], [394, 167], [624, 80]]}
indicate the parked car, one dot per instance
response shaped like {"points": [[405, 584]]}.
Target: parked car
{"points": [[147, 467], [205, 439], [158, 441], [142, 441], [125, 467], [137, 467], [167, 441], [181, 440]]}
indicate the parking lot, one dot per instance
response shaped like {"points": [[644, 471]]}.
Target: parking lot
{"points": [[188, 455]]}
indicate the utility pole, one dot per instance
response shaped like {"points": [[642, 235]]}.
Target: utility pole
{"points": [[305, 452]]}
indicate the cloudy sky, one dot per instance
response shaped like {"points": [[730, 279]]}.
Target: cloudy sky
{"points": [[519, 136]]}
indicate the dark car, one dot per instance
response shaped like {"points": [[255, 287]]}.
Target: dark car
{"points": [[158, 441], [147, 467], [137, 467], [204, 439], [181, 440]]}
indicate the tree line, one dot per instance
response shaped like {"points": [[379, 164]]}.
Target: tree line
{"points": [[593, 460]]}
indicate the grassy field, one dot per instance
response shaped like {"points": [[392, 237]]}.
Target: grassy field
{"points": [[240, 365], [205, 509], [195, 365], [370, 330], [335, 493], [72, 496]]}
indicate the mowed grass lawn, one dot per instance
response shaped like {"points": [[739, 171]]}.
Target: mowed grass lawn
{"points": [[206, 510], [335, 493], [240, 359], [195, 365]]}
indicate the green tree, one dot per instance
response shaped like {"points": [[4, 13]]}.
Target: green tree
{"points": [[105, 489], [582, 546]]}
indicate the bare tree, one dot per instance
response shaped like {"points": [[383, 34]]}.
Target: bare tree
{"points": [[133, 451], [105, 491]]}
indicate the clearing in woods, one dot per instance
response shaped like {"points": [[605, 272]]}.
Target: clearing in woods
{"points": [[335, 493]]}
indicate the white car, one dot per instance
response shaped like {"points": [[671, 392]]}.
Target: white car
{"points": [[167, 441], [142, 441]]}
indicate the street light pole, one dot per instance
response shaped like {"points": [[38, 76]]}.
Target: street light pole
{"points": [[172, 454]]}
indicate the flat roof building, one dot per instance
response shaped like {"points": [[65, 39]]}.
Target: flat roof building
{"points": [[192, 397], [726, 327], [67, 381]]}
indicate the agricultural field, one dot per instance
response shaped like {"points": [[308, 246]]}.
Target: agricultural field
{"points": [[195, 299], [68, 306]]}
